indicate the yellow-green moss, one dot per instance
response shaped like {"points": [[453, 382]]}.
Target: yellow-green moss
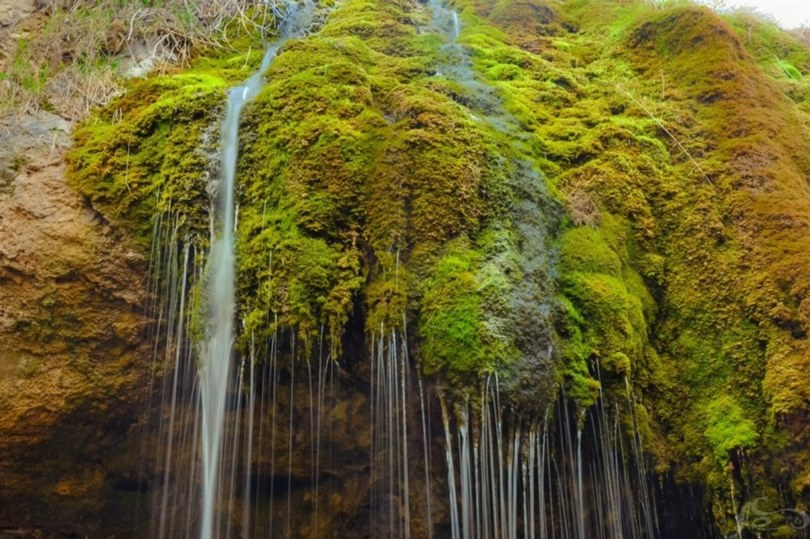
{"points": [[727, 428], [149, 151], [375, 179], [451, 324], [605, 303], [659, 129]]}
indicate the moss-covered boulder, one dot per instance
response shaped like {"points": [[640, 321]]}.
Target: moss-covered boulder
{"points": [[605, 197]]}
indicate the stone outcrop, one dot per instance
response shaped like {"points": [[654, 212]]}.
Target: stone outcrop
{"points": [[71, 337]]}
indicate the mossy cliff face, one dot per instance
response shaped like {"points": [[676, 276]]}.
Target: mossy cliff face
{"points": [[740, 316], [380, 188], [680, 149], [364, 184], [682, 158]]}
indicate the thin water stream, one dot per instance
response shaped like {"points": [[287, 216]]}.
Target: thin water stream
{"points": [[216, 347], [525, 483]]}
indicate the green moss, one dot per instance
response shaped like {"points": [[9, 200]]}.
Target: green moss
{"points": [[607, 305], [584, 249], [466, 312], [727, 428], [580, 386], [377, 180], [450, 325], [148, 150]]}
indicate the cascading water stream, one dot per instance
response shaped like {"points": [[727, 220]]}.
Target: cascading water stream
{"points": [[573, 484], [509, 476], [216, 346]]}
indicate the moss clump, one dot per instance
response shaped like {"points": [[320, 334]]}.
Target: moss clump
{"points": [[606, 304], [470, 317], [451, 326], [727, 428], [149, 151]]}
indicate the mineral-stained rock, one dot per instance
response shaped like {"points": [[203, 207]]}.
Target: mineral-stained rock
{"points": [[71, 339]]}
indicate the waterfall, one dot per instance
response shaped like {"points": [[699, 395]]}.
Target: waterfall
{"points": [[567, 476], [389, 464], [545, 474], [174, 272], [204, 423], [507, 478], [456, 26], [445, 20], [220, 303]]}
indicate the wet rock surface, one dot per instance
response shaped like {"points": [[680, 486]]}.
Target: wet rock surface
{"points": [[72, 352]]}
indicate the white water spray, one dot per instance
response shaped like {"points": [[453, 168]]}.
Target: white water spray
{"points": [[456, 26], [217, 345]]}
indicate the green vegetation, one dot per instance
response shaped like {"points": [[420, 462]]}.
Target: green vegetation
{"points": [[78, 56], [376, 181], [727, 429], [681, 271], [450, 319], [605, 303], [147, 152]]}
